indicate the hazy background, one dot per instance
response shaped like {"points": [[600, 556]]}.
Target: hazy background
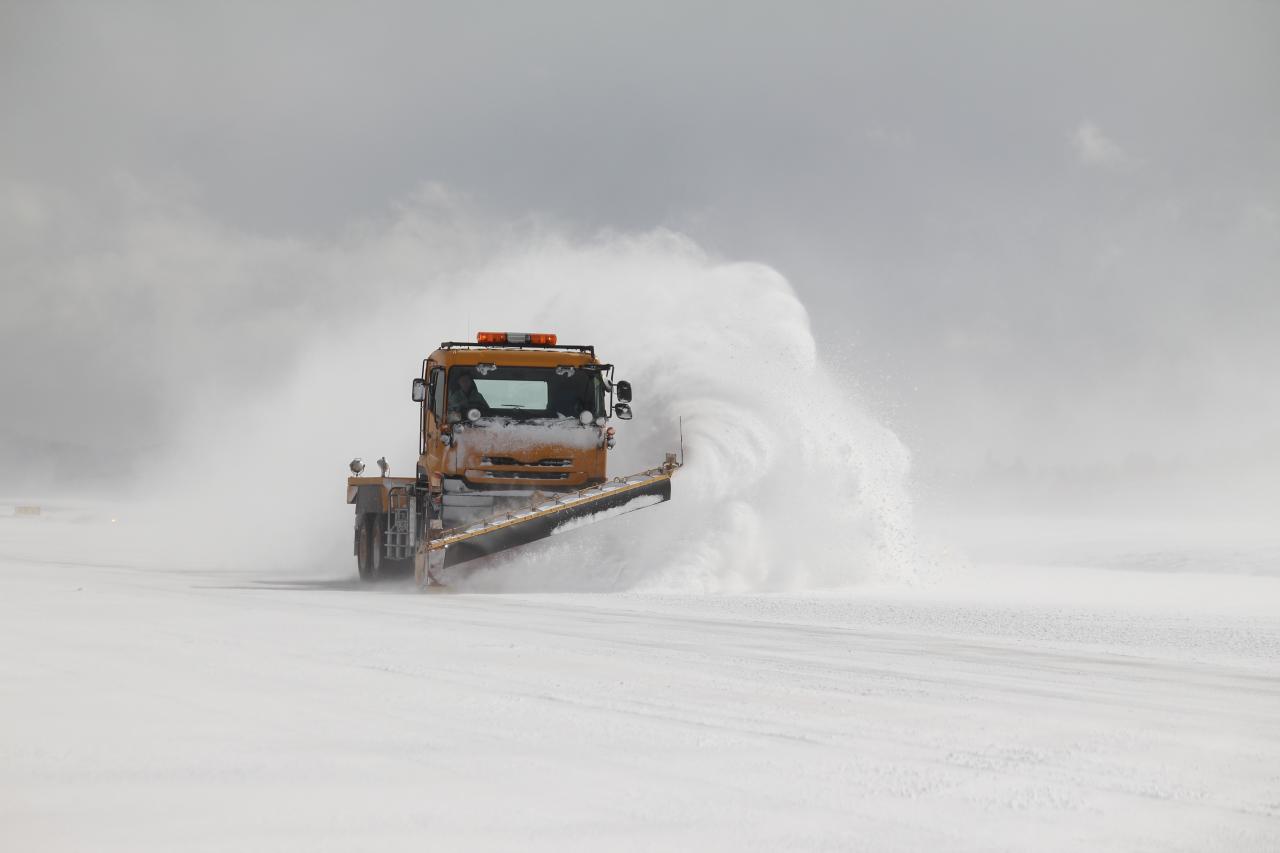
{"points": [[1043, 243]]}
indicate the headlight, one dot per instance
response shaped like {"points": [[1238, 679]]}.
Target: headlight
{"points": [[473, 414], [600, 421], [585, 418]]}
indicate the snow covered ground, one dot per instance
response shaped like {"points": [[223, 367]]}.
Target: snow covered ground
{"points": [[146, 706]]}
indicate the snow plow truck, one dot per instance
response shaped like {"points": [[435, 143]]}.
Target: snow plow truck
{"points": [[514, 438]]}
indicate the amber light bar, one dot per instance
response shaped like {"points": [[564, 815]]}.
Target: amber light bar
{"points": [[536, 339]]}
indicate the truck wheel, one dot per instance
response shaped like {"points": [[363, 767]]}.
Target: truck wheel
{"points": [[369, 548]]}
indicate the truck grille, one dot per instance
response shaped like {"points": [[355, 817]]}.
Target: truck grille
{"points": [[511, 460], [526, 475]]}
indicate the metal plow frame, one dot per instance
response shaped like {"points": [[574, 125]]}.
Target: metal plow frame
{"points": [[537, 521]]}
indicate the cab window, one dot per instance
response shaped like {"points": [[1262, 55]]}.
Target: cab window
{"points": [[437, 393]]}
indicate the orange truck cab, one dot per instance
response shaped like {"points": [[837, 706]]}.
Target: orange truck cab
{"points": [[511, 415]]}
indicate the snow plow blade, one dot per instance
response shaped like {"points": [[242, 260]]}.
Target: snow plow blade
{"points": [[547, 517]]}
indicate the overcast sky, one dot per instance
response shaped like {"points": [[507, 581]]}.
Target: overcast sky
{"points": [[1027, 231]]}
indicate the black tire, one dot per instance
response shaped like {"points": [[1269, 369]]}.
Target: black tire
{"points": [[369, 557]]}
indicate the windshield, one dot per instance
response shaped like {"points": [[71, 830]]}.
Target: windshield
{"points": [[525, 392]]}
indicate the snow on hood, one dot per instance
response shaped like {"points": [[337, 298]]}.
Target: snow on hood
{"points": [[503, 435]]}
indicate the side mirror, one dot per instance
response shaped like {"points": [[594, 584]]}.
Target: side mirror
{"points": [[623, 411], [419, 390], [624, 390]]}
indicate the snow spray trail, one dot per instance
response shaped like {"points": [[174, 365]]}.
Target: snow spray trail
{"points": [[788, 483]]}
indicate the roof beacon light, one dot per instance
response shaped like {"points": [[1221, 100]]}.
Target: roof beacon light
{"points": [[534, 339]]}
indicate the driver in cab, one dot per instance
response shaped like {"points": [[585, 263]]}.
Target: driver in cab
{"points": [[464, 396]]}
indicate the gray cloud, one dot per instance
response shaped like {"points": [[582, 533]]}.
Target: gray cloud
{"points": [[914, 170], [1095, 148]]}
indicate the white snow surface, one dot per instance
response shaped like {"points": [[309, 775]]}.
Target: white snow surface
{"points": [[146, 705]]}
